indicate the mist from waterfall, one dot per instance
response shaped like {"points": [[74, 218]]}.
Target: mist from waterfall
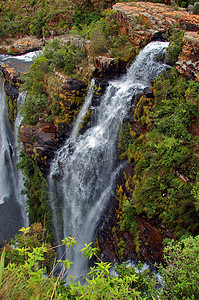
{"points": [[83, 173]]}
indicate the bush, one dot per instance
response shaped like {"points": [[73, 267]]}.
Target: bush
{"points": [[181, 273], [175, 47], [166, 165]]}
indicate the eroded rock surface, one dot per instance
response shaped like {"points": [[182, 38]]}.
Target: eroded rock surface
{"points": [[40, 141], [142, 21], [188, 61], [21, 45]]}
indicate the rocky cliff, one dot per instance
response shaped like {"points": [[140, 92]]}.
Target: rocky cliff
{"points": [[144, 21], [188, 61]]}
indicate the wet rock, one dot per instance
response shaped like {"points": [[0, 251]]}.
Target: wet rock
{"points": [[108, 66], [11, 75], [151, 236], [40, 141], [73, 84]]}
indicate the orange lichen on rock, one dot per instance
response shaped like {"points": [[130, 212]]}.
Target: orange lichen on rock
{"points": [[188, 61], [142, 20]]}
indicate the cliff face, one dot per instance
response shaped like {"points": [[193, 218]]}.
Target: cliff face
{"points": [[188, 61], [21, 45], [42, 139], [143, 21]]}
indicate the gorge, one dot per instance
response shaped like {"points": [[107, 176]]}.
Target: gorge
{"points": [[109, 153], [88, 162]]}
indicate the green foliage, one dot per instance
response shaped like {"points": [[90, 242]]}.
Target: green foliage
{"points": [[39, 17], [2, 266], [25, 279], [196, 9], [65, 57], [181, 270], [142, 113], [175, 46], [32, 237], [37, 23], [105, 37], [36, 190], [166, 164], [36, 98]]}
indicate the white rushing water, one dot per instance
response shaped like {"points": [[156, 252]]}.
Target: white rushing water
{"points": [[6, 150], [11, 218], [83, 173], [11, 182], [21, 198], [12, 203], [27, 57]]}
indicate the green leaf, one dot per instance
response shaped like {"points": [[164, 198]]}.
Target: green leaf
{"points": [[2, 266]]}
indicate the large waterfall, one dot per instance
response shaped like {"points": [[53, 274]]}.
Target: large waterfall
{"points": [[11, 218], [83, 173], [12, 203]]}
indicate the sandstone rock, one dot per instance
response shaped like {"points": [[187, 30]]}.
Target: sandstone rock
{"points": [[40, 141], [151, 236], [21, 45], [10, 74], [143, 20], [108, 66], [188, 61]]}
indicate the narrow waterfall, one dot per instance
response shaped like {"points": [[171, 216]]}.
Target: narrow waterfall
{"points": [[83, 173], [21, 198], [12, 204], [10, 211]]}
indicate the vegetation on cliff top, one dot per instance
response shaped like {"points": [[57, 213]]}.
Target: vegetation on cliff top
{"points": [[45, 95], [44, 17]]}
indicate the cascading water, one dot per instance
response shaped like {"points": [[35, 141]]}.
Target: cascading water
{"points": [[84, 170], [21, 198], [10, 212], [12, 204]]}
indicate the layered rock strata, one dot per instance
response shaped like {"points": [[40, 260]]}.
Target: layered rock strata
{"points": [[143, 21], [188, 61]]}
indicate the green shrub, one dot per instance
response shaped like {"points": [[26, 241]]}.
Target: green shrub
{"points": [[196, 9], [180, 273], [175, 47], [164, 157], [36, 189]]}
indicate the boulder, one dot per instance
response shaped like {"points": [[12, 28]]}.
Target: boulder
{"points": [[188, 61], [40, 141], [108, 66]]}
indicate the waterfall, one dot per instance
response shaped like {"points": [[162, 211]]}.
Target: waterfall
{"points": [[12, 204], [10, 211], [18, 146], [83, 173]]}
